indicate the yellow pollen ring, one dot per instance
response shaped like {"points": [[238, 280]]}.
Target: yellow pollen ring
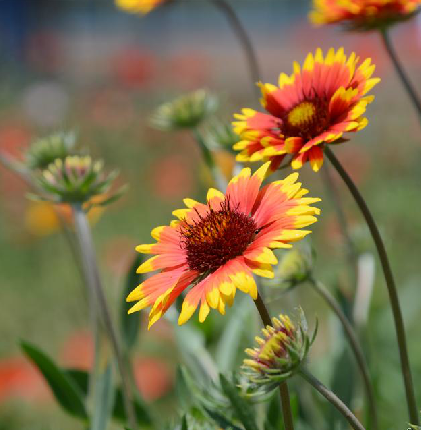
{"points": [[301, 114]]}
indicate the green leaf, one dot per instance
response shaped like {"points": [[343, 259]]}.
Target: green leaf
{"points": [[184, 423], [130, 324], [104, 399], [141, 411], [65, 390], [221, 421], [183, 393], [81, 377], [274, 413], [242, 408]]}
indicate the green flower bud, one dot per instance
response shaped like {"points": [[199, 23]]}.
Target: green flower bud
{"points": [[295, 266], [278, 354], [44, 151], [187, 111], [75, 179]]}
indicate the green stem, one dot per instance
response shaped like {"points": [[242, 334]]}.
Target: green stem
{"points": [[355, 346], [400, 71], [244, 40], [283, 387], [332, 398], [93, 281], [390, 283]]}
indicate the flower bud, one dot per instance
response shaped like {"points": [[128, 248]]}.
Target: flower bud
{"points": [[278, 354], [295, 266], [75, 179], [187, 111], [44, 151]]}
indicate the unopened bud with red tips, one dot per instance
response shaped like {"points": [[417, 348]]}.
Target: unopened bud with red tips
{"points": [[75, 180], [278, 355]]}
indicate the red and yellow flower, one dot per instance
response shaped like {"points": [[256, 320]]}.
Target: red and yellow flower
{"points": [[312, 107], [215, 248], [138, 6], [362, 14]]}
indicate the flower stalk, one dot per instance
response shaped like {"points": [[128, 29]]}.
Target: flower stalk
{"points": [[400, 71], [390, 283], [355, 346], [332, 398], [283, 387], [94, 285]]}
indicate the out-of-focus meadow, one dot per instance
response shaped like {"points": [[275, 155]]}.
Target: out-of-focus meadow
{"points": [[87, 66]]}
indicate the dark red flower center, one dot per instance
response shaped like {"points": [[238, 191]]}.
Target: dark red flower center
{"points": [[307, 119], [214, 239]]}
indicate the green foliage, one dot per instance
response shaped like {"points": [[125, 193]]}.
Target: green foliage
{"points": [[241, 407], [81, 379], [65, 390]]}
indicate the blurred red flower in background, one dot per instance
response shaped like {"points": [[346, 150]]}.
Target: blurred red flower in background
{"points": [[171, 177], [154, 377], [19, 379], [188, 71], [109, 108], [132, 67]]}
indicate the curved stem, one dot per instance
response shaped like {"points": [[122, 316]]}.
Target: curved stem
{"points": [[332, 398], [243, 38], [402, 75], [390, 283], [283, 387], [93, 281], [355, 346]]}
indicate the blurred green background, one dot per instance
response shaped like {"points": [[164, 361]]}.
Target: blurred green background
{"points": [[84, 65]]}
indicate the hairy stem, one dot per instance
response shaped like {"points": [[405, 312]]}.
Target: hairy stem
{"points": [[332, 398], [283, 387], [390, 283], [401, 72], [93, 281], [355, 346]]}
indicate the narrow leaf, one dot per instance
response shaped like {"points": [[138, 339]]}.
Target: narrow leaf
{"points": [[242, 409], [65, 390], [184, 423], [221, 421]]}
